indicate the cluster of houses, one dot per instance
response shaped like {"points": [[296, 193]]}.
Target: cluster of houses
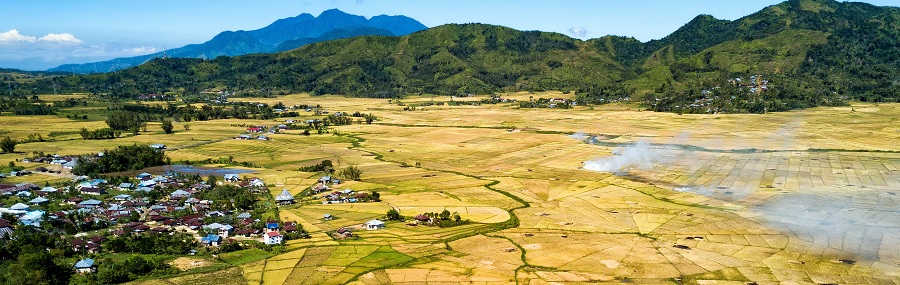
{"points": [[92, 204], [337, 197], [754, 85], [67, 162], [154, 97], [261, 130]]}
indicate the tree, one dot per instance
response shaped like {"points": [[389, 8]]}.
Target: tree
{"points": [[167, 126], [36, 266], [445, 215], [376, 196], [123, 120], [393, 215], [8, 145], [351, 173], [211, 180], [187, 127]]}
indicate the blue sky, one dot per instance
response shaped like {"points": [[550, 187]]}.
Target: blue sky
{"points": [[40, 34]]}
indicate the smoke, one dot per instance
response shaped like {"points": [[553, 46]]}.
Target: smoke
{"points": [[579, 136], [863, 222], [637, 155]]}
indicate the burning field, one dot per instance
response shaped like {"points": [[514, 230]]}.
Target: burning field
{"points": [[842, 204]]}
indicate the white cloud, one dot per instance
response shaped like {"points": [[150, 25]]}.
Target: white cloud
{"points": [[60, 38], [578, 32], [139, 50], [14, 36]]}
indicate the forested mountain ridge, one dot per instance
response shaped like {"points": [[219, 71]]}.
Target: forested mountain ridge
{"points": [[814, 52]]}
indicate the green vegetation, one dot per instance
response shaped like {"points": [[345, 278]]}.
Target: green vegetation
{"points": [[244, 256], [100, 134], [8, 144], [167, 126], [350, 173], [123, 158]]}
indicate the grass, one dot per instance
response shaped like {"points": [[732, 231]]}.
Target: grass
{"points": [[244, 256]]}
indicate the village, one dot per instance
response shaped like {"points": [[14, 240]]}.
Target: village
{"points": [[89, 212]]}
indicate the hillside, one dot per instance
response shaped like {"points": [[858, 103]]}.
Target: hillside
{"points": [[292, 32], [814, 52]]}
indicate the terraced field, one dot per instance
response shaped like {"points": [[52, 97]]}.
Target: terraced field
{"points": [[804, 197]]}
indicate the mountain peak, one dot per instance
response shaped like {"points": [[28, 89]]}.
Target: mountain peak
{"points": [[332, 12]]}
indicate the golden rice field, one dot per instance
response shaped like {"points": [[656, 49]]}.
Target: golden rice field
{"points": [[801, 197]]}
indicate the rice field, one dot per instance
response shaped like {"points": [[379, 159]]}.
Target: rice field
{"points": [[782, 198]]}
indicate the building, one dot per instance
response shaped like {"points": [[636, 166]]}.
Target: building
{"points": [[232, 177], [211, 240], [273, 237], [285, 198], [85, 266], [6, 229], [374, 225]]}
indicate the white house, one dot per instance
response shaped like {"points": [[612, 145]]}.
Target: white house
{"points": [[374, 225], [232, 177], [273, 237]]}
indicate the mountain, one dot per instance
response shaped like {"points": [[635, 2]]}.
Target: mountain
{"points": [[814, 52], [296, 31]]}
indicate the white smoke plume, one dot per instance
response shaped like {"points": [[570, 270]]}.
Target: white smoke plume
{"points": [[579, 136], [637, 155]]}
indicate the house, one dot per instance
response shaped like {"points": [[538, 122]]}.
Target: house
{"points": [[325, 179], [6, 229], [85, 266], [70, 164], [374, 225], [271, 226], [273, 237], [290, 227], [90, 204], [38, 201], [223, 230], [158, 146], [423, 219], [328, 217], [19, 207], [33, 218], [256, 129], [178, 194], [49, 190], [147, 183], [126, 186], [232, 178], [98, 182], [143, 176], [243, 137], [262, 138], [256, 182], [343, 232], [211, 240], [92, 191], [122, 197], [285, 198]]}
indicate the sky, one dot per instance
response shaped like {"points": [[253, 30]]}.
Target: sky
{"points": [[42, 34]]}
